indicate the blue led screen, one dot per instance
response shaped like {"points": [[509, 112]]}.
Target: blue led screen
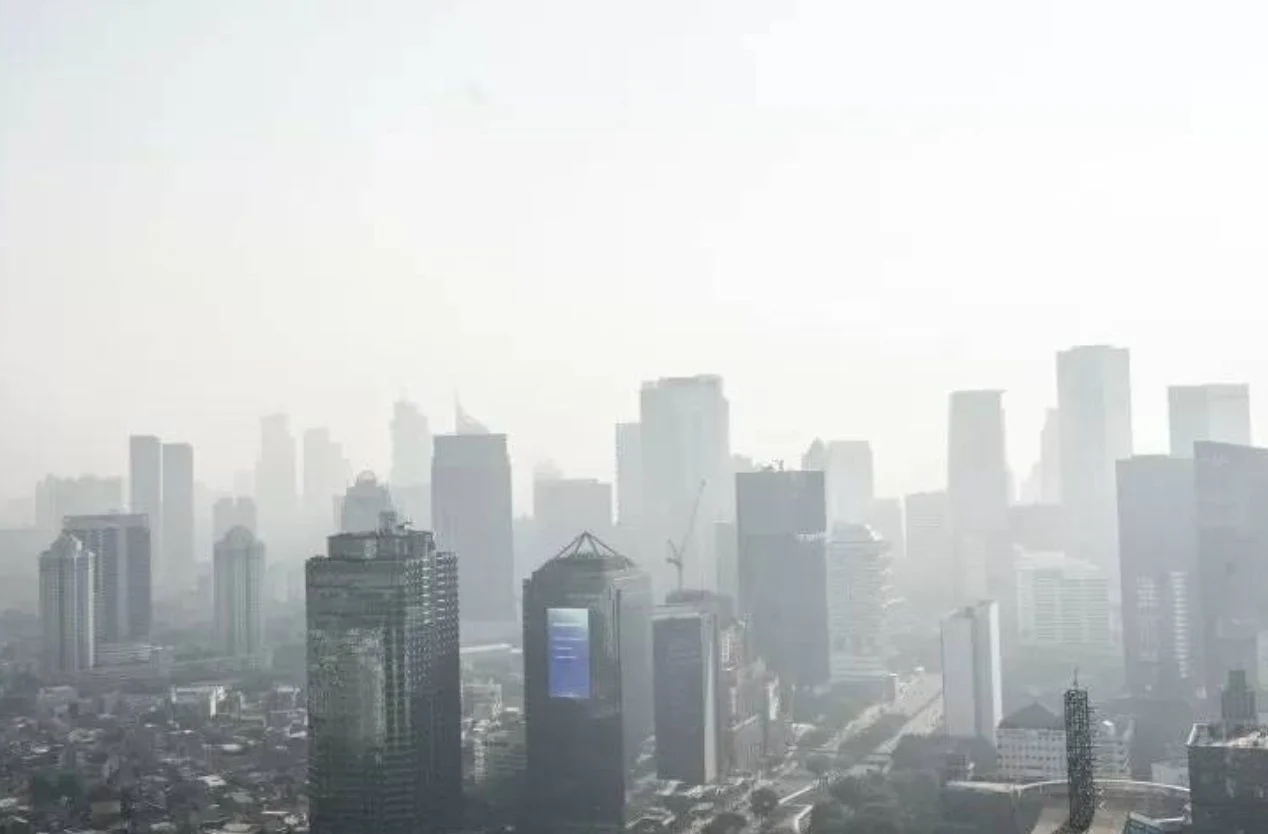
{"points": [[568, 647]]}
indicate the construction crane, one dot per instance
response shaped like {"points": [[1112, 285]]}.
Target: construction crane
{"points": [[678, 551]]}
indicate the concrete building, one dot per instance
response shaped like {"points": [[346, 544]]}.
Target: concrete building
{"points": [[587, 686], [238, 588], [66, 607], [230, 512], [384, 684], [175, 567], [275, 483], [363, 504], [1215, 413], [1094, 399], [471, 510], [1231, 484], [783, 572], [122, 575], [686, 445], [56, 498], [977, 492], [922, 576], [1032, 747], [411, 463], [686, 674], [629, 475], [1063, 603], [1228, 768], [849, 481], [566, 507], [858, 592], [972, 695], [1157, 541], [145, 484]]}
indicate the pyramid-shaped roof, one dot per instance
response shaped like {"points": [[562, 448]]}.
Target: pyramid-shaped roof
{"points": [[588, 547], [1034, 717]]}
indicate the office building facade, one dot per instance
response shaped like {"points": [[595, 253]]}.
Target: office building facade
{"points": [[1063, 604], [588, 694], [145, 484], [972, 696], [629, 474], [1214, 413], [977, 491], [276, 483], [238, 589], [66, 607], [175, 568], [566, 507], [384, 688], [122, 575], [230, 512], [363, 505], [686, 672], [849, 480], [858, 588]]}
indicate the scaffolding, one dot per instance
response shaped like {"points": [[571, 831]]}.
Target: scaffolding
{"points": [[1080, 759]]}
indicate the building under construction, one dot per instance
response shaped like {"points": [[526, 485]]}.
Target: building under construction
{"points": [[1080, 759]]}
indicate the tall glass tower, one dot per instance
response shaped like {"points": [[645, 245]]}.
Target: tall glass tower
{"points": [[384, 689]]}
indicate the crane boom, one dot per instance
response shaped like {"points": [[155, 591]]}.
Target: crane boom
{"points": [[677, 551]]}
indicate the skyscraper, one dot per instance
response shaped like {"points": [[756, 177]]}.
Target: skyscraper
{"points": [[233, 512], [384, 688], [1094, 399], [587, 686], [686, 663], [56, 498], [364, 504], [972, 696], [238, 577], [1050, 458], [977, 487], [858, 593], [1217, 413], [848, 478], [122, 574], [66, 606], [326, 476], [471, 508], [145, 484], [686, 442], [1231, 485], [176, 568], [411, 463], [275, 482], [564, 507], [928, 525], [1157, 537], [782, 570], [629, 474]]}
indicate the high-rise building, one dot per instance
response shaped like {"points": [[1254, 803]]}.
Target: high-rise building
{"points": [[972, 696], [275, 483], [1094, 399], [886, 518], [176, 567], [848, 478], [1157, 541], [233, 512], [1216, 413], [629, 474], [411, 463], [587, 686], [1231, 485], [122, 552], [326, 476], [686, 671], [726, 545], [564, 507], [782, 571], [238, 577], [66, 606], [858, 593], [56, 498], [471, 508], [384, 688], [364, 504], [1050, 458], [924, 573], [1227, 763], [977, 488], [145, 484], [1063, 603], [686, 444]]}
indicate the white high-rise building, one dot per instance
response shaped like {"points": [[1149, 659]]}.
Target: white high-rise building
{"points": [[123, 575], [972, 694], [1094, 400], [238, 573], [1217, 413], [848, 478], [858, 594], [66, 606], [977, 489], [687, 483], [1063, 603]]}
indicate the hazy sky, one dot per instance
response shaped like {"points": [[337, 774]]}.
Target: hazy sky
{"points": [[209, 211]]}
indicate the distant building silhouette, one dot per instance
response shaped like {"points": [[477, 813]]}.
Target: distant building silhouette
{"points": [[275, 482], [326, 475], [233, 512], [176, 566], [977, 489], [122, 575], [384, 688], [929, 555], [364, 504], [629, 475], [587, 686], [145, 485], [858, 590], [1216, 413], [56, 498], [1063, 603], [563, 507], [238, 583], [411, 463], [471, 510], [66, 607], [849, 481]]}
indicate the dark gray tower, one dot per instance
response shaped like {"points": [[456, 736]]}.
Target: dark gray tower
{"points": [[384, 689], [1080, 759], [587, 686]]}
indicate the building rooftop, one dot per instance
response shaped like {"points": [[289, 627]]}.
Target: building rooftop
{"points": [[588, 547], [1034, 717], [1218, 735]]}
